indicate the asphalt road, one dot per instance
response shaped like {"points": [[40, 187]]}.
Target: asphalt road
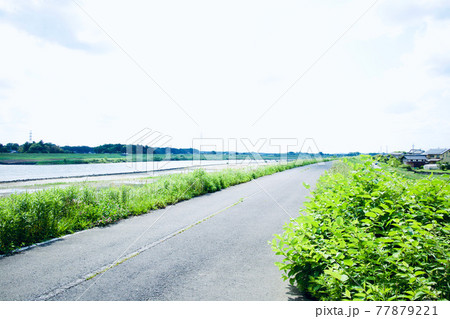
{"points": [[213, 247]]}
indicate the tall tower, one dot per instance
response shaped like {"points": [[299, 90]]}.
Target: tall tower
{"points": [[31, 137]]}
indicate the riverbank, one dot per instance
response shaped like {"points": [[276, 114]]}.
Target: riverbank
{"points": [[32, 217], [76, 158], [115, 179]]}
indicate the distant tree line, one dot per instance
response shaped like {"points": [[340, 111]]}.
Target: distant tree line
{"points": [[101, 149], [41, 147], [123, 149]]}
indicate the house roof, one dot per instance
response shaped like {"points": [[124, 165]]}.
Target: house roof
{"points": [[436, 151], [416, 151], [415, 157]]}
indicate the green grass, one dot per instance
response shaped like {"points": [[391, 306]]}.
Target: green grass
{"points": [[414, 176], [59, 158], [433, 171], [370, 234], [29, 218]]}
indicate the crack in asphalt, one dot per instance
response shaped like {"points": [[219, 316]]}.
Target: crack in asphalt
{"points": [[105, 268]]}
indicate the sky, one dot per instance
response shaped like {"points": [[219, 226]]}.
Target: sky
{"points": [[359, 75]]}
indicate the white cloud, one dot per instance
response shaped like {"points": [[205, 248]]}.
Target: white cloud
{"points": [[51, 20]]}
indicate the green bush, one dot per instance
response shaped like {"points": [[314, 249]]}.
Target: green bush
{"points": [[29, 218], [406, 166], [388, 159], [368, 234]]}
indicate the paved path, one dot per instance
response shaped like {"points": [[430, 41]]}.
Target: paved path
{"points": [[213, 247]]}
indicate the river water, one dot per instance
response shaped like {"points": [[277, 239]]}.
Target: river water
{"points": [[31, 172]]}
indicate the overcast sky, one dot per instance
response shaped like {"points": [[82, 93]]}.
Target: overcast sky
{"points": [[353, 75]]}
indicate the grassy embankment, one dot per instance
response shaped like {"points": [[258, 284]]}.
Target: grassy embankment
{"points": [[69, 158], [412, 174], [434, 171], [371, 234], [59, 158], [29, 218]]}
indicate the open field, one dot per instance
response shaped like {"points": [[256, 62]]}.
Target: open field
{"points": [[415, 176], [438, 171], [59, 158]]}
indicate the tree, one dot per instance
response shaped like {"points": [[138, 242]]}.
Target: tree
{"points": [[12, 147], [40, 147], [24, 147], [37, 148]]}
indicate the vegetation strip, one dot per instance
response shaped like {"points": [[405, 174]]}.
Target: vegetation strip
{"points": [[104, 269], [29, 218], [370, 233]]}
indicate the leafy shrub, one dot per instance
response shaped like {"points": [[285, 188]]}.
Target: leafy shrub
{"points": [[369, 234], [388, 159], [406, 166], [394, 162]]}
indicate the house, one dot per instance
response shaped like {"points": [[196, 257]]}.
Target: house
{"points": [[415, 160], [435, 155]]}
